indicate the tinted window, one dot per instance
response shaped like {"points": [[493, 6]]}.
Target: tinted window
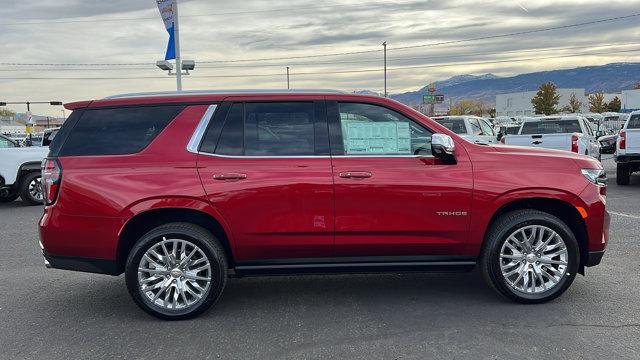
{"points": [[455, 125], [375, 130], [634, 122], [48, 137], [551, 127], [279, 129], [117, 131], [230, 142]]}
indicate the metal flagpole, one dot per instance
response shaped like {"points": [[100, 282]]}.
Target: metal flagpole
{"points": [[176, 39]]}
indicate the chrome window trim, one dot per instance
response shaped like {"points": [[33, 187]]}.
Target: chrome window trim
{"points": [[311, 156], [198, 134]]}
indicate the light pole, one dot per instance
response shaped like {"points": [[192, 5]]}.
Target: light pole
{"points": [[176, 30], [384, 45], [288, 78]]}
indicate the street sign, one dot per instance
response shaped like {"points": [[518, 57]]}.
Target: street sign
{"points": [[433, 98], [28, 128], [429, 98]]}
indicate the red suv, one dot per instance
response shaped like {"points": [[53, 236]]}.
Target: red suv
{"points": [[180, 191]]}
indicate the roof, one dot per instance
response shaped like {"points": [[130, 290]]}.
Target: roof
{"points": [[204, 97], [554, 117]]}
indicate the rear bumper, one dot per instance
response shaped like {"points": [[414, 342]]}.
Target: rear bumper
{"points": [[594, 258], [98, 266], [627, 158]]}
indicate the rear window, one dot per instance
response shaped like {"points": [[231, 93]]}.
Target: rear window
{"points": [[634, 122], [117, 131], [551, 127], [455, 125]]}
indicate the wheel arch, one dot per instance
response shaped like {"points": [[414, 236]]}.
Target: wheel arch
{"points": [[146, 220], [560, 208]]}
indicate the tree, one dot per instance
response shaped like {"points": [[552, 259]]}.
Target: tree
{"points": [[637, 86], [546, 99], [463, 107], [492, 112], [597, 103], [574, 104], [7, 112], [615, 105]]}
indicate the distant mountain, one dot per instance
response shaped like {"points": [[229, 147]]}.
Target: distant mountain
{"points": [[607, 78]]}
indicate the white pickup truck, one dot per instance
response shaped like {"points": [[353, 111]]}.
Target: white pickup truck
{"points": [[570, 133], [20, 172], [627, 153], [472, 128]]}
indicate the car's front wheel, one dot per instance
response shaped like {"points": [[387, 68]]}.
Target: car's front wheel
{"points": [[176, 271], [530, 256], [7, 195], [31, 189]]}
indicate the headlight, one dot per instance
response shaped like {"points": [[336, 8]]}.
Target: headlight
{"points": [[596, 176]]}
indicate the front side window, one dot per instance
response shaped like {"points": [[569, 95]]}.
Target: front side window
{"points": [[486, 128], [375, 130], [475, 127]]}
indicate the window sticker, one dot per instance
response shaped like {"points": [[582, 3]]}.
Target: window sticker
{"points": [[383, 137]]}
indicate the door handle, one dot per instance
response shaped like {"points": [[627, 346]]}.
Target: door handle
{"points": [[536, 142], [355, 174], [229, 176]]}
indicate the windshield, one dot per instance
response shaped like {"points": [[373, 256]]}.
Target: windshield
{"points": [[551, 127], [455, 125]]}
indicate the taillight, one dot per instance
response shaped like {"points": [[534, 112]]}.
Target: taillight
{"points": [[51, 179], [623, 140], [574, 143]]}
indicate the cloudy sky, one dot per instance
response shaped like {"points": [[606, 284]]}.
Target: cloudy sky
{"points": [[50, 49]]}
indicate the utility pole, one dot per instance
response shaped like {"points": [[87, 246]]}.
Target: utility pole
{"points": [[176, 35], [384, 45], [288, 78]]}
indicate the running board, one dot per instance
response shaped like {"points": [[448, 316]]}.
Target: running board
{"points": [[355, 265]]}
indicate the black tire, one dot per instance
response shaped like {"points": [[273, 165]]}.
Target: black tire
{"points": [[501, 229], [623, 174], [7, 196], [25, 193], [196, 235]]}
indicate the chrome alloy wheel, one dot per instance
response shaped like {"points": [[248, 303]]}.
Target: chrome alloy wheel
{"points": [[35, 189], [174, 274], [533, 259]]}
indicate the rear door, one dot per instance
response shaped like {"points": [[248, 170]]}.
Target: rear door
{"points": [[392, 197], [266, 169]]}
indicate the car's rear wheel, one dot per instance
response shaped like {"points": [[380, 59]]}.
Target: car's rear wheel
{"points": [[623, 175], [176, 271], [31, 189], [7, 195], [530, 256]]}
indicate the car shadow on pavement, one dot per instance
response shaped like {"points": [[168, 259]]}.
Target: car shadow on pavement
{"points": [[269, 297]]}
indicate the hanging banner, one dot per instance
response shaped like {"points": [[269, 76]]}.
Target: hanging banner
{"points": [[166, 12]]}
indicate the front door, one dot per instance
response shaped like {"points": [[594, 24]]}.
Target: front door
{"points": [[392, 197], [266, 169]]}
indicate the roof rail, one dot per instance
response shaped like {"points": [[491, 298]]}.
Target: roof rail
{"points": [[218, 92]]}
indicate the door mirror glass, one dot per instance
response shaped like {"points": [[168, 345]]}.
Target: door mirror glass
{"points": [[443, 147]]}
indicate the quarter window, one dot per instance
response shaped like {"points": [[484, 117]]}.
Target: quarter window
{"points": [[375, 130]]}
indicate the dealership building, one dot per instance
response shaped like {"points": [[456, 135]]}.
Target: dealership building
{"points": [[519, 104]]}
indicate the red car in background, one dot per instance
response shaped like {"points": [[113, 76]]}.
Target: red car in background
{"points": [[181, 190]]}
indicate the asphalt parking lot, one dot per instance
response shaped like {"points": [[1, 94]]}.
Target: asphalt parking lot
{"points": [[67, 315]]}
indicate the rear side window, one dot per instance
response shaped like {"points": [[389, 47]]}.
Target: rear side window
{"points": [[455, 125], [551, 127], [634, 122], [117, 131]]}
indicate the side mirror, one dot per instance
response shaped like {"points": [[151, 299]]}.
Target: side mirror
{"points": [[443, 147]]}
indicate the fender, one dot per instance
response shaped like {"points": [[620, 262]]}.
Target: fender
{"points": [[484, 209], [176, 202]]}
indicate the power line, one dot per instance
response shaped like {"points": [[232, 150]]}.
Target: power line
{"points": [[357, 52], [332, 72], [461, 55]]}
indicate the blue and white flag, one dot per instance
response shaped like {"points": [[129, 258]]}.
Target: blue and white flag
{"points": [[166, 11]]}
